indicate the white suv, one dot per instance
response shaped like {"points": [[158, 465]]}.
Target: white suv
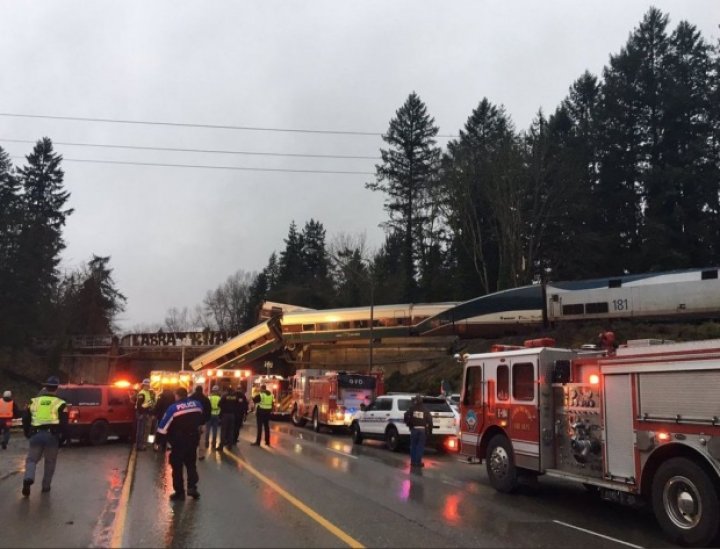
{"points": [[383, 419]]}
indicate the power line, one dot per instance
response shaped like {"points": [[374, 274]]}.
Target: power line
{"points": [[207, 167], [190, 125], [213, 151]]}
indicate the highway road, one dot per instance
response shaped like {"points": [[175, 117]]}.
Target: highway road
{"points": [[307, 490]]}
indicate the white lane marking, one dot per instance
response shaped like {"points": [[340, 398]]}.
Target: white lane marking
{"points": [[561, 523], [341, 453]]}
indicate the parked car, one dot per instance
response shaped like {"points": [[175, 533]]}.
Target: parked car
{"points": [[383, 419], [98, 411]]}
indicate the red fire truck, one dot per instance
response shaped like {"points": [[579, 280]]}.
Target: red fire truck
{"points": [[331, 398], [639, 425]]}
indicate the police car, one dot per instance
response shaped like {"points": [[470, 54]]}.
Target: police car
{"points": [[383, 419]]}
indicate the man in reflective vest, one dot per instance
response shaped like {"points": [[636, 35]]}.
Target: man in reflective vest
{"points": [[8, 411], [214, 422], [143, 407], [44, 421], [263, 408]]}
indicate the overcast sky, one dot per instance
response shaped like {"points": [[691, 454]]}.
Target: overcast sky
{"points": [[174, 233]]}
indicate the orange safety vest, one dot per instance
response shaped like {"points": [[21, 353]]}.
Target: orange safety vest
{"points": [[6, 409]]}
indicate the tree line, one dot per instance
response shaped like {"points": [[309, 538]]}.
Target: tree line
{"points": [[623, 177], [36, 298]]}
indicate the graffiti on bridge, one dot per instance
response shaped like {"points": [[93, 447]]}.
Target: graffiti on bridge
{"points": [[177, 339]]}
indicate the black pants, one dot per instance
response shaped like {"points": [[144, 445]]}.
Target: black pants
{"points": [[238, 425], [184, 454], [227, 430], [263, 420]]}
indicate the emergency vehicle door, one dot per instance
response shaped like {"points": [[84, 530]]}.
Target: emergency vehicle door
{"points": [[472, 410]]}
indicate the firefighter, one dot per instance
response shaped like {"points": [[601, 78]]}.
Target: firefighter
{"points": [[242, 411], [144, 403], [419, 420], [8, 411], [212, 425], [207, 411], [181, 427], [44, 422], [263, 408], [229, 406]]}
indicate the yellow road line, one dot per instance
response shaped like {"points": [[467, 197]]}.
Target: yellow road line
{"points": [[352, 542], [119, 522]]}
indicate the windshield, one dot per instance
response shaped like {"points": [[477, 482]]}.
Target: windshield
{"points": [[432, 404]]}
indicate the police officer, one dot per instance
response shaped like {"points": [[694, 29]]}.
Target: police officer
{"points": [[228, 410], [144, 403], [214, 422], [44, 422], [181, 426], [8, 411], [263, 408], [419, 420]]}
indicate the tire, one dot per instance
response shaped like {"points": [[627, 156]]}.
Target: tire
{"points": [[316, 421], [501, 468], [392, 439], [98, 433], [296, 419], [686, 503], [356, 433]]}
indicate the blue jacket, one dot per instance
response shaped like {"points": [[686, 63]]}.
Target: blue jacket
{"points": [[182, 421]]}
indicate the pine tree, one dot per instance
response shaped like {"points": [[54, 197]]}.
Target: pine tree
{"points": [[409, 167], [316, 265], [10, 222], [40, 239], [291, 266]]}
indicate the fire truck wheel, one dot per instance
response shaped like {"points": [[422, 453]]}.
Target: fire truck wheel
{"points": [[98, 432], [357, 437], [316, 421], [392, 438], [297, 420], [501, 468], [686, 503]]}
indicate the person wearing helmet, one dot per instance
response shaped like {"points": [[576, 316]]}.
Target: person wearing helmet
{"points": [[214, 422], [144, 403], [8, 411], [44, 422]]}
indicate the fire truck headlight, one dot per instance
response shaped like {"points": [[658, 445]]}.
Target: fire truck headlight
{"points": [[662, 437]]}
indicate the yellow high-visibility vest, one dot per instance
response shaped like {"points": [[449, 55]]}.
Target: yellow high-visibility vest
{"points": [[266, 401], [214, 405], [149, 400], [45, 410]]}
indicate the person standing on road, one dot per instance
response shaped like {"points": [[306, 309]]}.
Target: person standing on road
{"points": [[214, 422], [419, 420], [8, 411], [263, 408], [228, 410], [242, 410], [166, 398], [207, 410], [181, 427], [44, 421], [144, 403]]}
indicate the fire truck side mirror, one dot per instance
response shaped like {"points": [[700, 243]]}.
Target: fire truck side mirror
{"points": [[561, 371]]}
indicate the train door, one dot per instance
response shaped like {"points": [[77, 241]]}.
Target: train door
{"points": [[473, 408]]}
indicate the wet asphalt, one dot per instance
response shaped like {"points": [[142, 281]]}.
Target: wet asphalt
{"points": [[366, 493]]}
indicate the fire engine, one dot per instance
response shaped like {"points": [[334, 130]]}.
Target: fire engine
{"points": [[281, 391], [330, 397], [641, 424], [225, 379], [166, 379]]}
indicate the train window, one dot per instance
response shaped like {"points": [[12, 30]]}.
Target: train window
{"points": [[577, 309], [596, 308], [308, 327], [709, 275], [343, 325], [524, 381], [473, 386], [503, 382], [291, 328], [615, 283]]}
